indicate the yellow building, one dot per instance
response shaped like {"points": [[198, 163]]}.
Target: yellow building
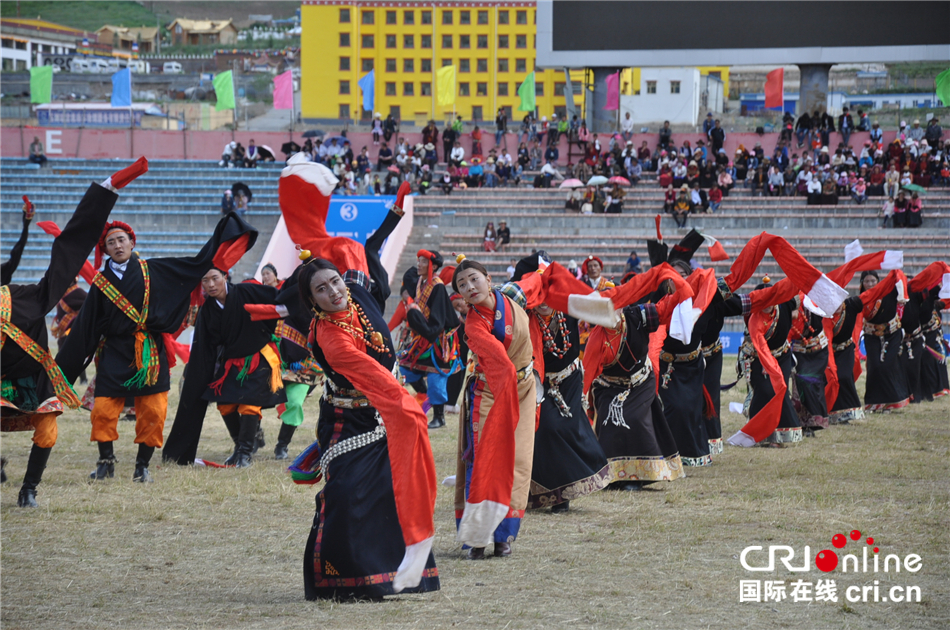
{"points": [[491, 45]]}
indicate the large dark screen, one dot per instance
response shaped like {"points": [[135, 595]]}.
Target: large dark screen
{"points": [[660, 25]]}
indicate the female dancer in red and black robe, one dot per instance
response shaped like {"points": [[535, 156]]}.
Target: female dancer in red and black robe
{"points": [[886, 386], [932, 284], [847, 406]]}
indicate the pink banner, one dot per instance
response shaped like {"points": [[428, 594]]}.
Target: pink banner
{"points": [[284, 91], [613, 91]]}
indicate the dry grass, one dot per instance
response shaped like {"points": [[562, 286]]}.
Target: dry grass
{"points": [[205, 548]]}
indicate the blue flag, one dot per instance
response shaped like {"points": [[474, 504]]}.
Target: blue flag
{"points": [[122, 88], [368, 85]]}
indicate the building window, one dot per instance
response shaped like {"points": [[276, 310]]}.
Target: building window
{"points": [[465, 65], [465, 41], [463, 89], [426, 17], [521, 65], [390, 65], [521, 41], [521, 17], [366, 65], [425, 65], [651, 87], [390, 88], [408, 65], [503, 89], [481, 89], [344, 40], [503, 17], [674, 87], [446, 17], [344, 16], [425, 41], [503, 41], [476, 112], [390, 17], [408, 41], [465, 17], [482, 41], [481, 65], [390, 41], [408, 89], [394, 111], [446, 41], [344, 87], [483, 17], [408, 17], [558, 88], [502, 65], [425, 88], [344, 63], [446, 62], [369, 17], [368, 41], [344, 111], [539, 88]]}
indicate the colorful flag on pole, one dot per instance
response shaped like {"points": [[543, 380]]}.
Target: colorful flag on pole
{"points": [[122, 88], [368, 85], [41, 84], [942, 87], [775, 89], [445, 85], [284, 90], [613, 91], [224, 89], [526, 91]]}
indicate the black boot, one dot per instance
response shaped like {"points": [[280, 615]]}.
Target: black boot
{"points": [[141, 474], [258, 439], [438, 417], [34, 473], [561, 508], [3, 471], [233, 422], [245, 444], [283, 441], [105, 467]]}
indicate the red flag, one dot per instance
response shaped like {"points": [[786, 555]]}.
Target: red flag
{"points": [[774, 89], [613, 92]]}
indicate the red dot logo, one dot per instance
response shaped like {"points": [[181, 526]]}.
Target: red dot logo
{"points": [[826, 560], [876, 550], [870, 541], [839, 541], [855, 534]]}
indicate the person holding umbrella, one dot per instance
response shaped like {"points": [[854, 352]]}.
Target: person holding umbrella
{"points": [[242, 197]]}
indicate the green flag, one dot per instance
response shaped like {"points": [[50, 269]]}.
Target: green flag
{"points": [[526, 92], [41, 84], [942, 83], [224, 90]]}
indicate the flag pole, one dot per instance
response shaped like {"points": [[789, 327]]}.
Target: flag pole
{"points": [[234, 108], [131, 115]]}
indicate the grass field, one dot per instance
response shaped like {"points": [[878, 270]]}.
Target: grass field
{"points": [[208, 548]]}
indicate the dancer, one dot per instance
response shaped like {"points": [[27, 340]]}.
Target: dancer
{"points": [[933, 365], [886, 385], [591, 274], [431, 349], [34, 389], [373, 528], [8, 268], [128, 322], [810, 349], [568, 462]]}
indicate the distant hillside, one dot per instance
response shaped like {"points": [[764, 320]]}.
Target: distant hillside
{"points": [[91, 15]]}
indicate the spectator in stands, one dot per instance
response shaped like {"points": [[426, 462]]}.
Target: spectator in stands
{"points": [[430, 158], [227, 155], [789, 181], [362, 162], [38, 154], [252, 155], [583, 137], [626, 126], [900, 209], [914, 215], [524, 159], [457, 155], [389, 127], [574, 128], [554, 132], [535, 155], [476, 141], [813, 190], [227, 201], [934, 133], [237, 157], [501, 126], [540, 129], [563, 127], [614, 200], [829, 193], [803, 129], [708, 124], [666, 135], [549, 172], [633, 264], [319, 152], [717, 136], [876, 181], [377, 128], [634, 170], [504, 236], [859, 192], [551, 154], [776, 181], [699, 198], [334, 149], [665, 176], [582, 171], [240, 203], [715, 198], [448, 141], [826, 128], [759, 181], [430, 135], [916, 132], [490, 237], [725, 180], [683, 206], [524, 133], [425, 183], [385, 158]]}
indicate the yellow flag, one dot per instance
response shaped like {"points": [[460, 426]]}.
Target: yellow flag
{"points": [[445, 85]]}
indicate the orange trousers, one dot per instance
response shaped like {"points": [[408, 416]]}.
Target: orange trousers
{"points": [[227, 409], [45, 430], [150, 414]]}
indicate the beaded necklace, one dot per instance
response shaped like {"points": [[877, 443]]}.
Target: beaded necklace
{"points": [[549, 344], [372, 338]]}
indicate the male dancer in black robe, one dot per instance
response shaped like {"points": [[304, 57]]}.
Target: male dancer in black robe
{"points": [[131, 307]]}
